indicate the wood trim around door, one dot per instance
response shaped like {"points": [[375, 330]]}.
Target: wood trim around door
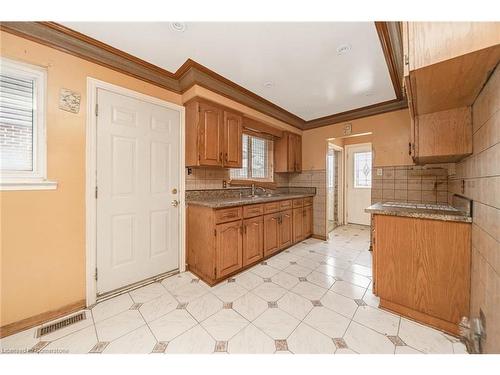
{"points": [[192, 73], [91, 169]]}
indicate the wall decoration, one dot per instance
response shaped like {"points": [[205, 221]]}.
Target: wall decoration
{"points": [[69, 101]]}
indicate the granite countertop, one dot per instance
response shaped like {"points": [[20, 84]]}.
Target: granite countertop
{"points": [[243, 201], [420, 211]]}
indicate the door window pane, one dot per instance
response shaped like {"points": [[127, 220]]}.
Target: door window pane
{"points": [[363, 169]]}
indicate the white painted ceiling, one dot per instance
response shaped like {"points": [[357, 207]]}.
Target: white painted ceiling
{"points": [[309, 78]]}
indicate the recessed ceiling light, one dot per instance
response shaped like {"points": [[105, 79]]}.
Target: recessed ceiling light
{"points": [[178, 26], [343, 49], [268, 84]]}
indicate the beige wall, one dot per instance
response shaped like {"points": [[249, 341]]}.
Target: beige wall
{"points": [[390, 138], [481, 173], [43, 232]]}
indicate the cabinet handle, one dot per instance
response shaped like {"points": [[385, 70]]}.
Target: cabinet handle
{"points": [[225, 156], [220, 157], [407, 60], [245, 229], [409, 148]]}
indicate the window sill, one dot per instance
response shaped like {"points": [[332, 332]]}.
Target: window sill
{"points": [[28, 185]]}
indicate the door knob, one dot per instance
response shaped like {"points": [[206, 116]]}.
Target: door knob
{"points": [[175, 203]]}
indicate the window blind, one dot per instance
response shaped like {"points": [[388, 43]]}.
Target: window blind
{"points": [[256, 159], [16, 123]]}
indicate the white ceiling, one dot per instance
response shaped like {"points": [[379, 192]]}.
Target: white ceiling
{"points": [[309, 77]]}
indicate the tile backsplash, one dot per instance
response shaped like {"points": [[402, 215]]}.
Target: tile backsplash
{"points": [[212, 178], [412, 184]]}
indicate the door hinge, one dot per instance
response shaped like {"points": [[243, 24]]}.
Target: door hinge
{"points": [[96, 192], [95, 275], [96, 110]]}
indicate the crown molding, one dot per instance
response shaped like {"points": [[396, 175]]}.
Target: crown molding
{"points": [[391, 40], [192, 73], [371, 110]]}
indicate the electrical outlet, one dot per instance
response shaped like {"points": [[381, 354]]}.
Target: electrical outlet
{"points": [[379, 171]]}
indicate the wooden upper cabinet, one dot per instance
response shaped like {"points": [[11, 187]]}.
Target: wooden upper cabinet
{"points": [[210, 135], [434, 42], [253, 240], [232, 157], [446, 64], [229, 249], [444, 136], [288, 153], [213, 135]]}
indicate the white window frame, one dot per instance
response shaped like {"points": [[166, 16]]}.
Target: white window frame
{"points": [[36, 179], [270, 162]]}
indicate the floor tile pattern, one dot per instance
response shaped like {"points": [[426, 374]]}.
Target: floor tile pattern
{"points": [[315, 297]]}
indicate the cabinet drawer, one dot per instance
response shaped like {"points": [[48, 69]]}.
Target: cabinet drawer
{"points": [[271, 207], [298, 202], [224, 215], [308, 201], [285, 205], [253, 210]]}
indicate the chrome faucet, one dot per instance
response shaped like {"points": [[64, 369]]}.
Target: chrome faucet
{"points": [[254, 188]]}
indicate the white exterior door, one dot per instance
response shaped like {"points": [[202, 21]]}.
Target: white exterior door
{"points": [[359, 182], [137, 172]]}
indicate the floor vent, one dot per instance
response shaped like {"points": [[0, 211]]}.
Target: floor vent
{"points": [[60, 324]]}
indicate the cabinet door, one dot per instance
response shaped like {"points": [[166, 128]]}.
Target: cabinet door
{"points": [[253, 240], [297, 150], [271, 234], [210, 135], [291, 152], [307, 221], [232, 154], [229, 254], [297, 224], [286, 229]]}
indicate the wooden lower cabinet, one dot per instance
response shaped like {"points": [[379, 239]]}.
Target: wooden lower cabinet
{"points": [[229, 251], [253, 240], [271, 233], [422, 269], [222, 242], [286, 229], [298, 219], [307, 222]]}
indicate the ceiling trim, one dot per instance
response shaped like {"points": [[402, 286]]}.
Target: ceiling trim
{"points": [[371, 110], [192, 73], [391, 41]]}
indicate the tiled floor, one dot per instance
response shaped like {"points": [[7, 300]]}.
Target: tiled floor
{"points": [[312, 298]]}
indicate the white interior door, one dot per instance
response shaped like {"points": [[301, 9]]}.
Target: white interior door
{"points": [[358, 182], [137, 172]]}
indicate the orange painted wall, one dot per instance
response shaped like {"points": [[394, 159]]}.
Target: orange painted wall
{"points": [[390, 138], [43, 232]]}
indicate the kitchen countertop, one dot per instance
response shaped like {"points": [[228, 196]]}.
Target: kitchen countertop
{"points": [[243, 201], [420, 211]]}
